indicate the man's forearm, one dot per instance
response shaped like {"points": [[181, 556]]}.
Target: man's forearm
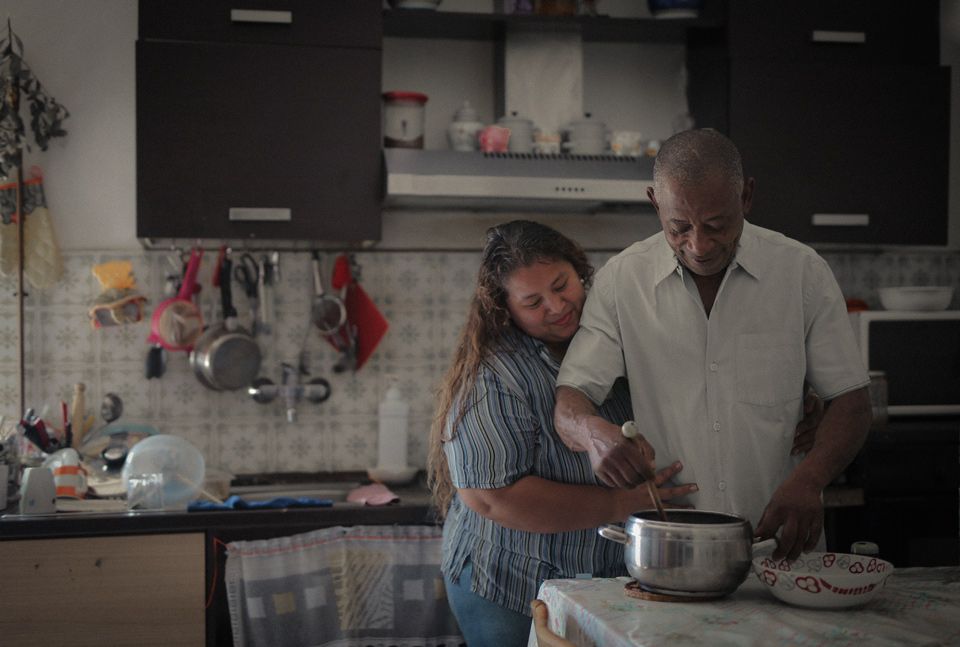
{"points": [[842, 433], [570, 414]]}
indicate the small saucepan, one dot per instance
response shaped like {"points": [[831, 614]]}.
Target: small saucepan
{"points": [[226, 357], [693, 553]]}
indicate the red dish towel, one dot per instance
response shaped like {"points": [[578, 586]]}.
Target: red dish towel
{"points": [[361, 311]]}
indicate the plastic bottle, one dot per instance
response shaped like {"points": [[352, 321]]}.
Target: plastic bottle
{"points": [[394, 412]]}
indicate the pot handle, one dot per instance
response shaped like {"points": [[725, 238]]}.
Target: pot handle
{"points": [[614, 533]]}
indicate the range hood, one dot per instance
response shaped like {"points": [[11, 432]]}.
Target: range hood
{"points": [[515, 181]]}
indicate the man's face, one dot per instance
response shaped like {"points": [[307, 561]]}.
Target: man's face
{"points": [[703, 223]]}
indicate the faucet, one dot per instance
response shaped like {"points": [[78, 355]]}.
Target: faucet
{"points": [[263, 390]]}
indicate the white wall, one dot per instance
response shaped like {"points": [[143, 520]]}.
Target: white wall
{"points": [[83, 53]]}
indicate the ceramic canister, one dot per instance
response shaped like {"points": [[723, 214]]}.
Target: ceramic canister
{"points": [[521, 132], [464, 128], [403, 119]]}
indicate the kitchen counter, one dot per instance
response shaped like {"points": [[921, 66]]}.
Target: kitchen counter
{"points": [[917, 606], [181, 553], [413, 508]]}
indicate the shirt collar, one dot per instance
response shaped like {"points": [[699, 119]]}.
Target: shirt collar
{"points": [[747, 257]]}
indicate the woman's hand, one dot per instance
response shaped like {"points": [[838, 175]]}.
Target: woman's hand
{"points": [[639, 497]]}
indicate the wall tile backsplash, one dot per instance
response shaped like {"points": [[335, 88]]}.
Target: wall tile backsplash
{"points": [[424, 297]]}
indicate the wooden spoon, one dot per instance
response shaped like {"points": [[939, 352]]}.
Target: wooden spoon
{"points": [[629, 430]]}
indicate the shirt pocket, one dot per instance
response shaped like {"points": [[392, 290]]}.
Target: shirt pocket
{"points": [[769, 368]]}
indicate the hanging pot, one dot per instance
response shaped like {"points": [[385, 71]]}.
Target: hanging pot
{"points": [[226, 357]]}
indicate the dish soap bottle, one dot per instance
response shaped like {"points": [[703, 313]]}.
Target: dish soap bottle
{"points": [[392, 465]]}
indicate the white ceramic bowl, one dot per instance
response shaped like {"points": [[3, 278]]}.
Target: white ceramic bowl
{"points": [[824, 580], [916, 298]]}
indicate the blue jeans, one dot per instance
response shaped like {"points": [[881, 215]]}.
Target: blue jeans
{"points": [[482, 622]]}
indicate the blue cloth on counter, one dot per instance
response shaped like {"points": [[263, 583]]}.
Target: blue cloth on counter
{"points": [[237, 502]]}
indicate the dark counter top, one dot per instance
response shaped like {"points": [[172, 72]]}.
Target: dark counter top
{"points": [[413, 508]]}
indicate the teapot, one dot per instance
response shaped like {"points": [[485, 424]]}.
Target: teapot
{"points": [[462, 131], [521, 132]]}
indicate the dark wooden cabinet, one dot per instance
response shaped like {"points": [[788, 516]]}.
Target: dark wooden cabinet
{"points": [[845, 153], [262, 124], [862, 31], [848, 141]]}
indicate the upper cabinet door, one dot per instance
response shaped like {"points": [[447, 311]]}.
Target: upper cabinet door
{"points": [[844, 153], [251, 140], [864, 31]]}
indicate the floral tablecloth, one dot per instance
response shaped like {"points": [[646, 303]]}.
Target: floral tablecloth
{"points": [[917, 606]]}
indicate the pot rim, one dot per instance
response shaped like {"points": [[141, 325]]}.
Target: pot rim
{"points": [[735, 521]]}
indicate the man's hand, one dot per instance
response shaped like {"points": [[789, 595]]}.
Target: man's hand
{"points": [[806, 431], [796, 509], [617, 461]]}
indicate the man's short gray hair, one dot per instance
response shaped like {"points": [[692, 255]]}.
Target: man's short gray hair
{"points": [[690, 156]]}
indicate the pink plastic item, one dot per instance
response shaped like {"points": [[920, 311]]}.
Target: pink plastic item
{"points": [[373, 494]]}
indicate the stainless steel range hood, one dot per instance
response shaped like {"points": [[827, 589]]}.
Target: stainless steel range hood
{"points": [[515, 181]]}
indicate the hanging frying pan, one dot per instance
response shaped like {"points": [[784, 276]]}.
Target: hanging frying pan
{"points": [[226, 357]]}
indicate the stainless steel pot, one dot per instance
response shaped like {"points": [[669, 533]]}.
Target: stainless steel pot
{"points": [[694, 553], [226, 357]]}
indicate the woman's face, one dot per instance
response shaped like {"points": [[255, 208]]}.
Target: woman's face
{"points": [[545, 300]]}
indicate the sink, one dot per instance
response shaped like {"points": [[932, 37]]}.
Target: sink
{"points": [[335, 491]]}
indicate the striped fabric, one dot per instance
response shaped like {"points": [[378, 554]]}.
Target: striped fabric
{"points": [[507, 434]]}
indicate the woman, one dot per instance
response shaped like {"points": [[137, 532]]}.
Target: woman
{"points": [[520, 507]]}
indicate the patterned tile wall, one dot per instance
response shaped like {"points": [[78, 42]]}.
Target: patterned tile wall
{"points": [[423, 295]]}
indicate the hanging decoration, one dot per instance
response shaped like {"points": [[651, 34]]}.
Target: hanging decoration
{"points": [[18, 83]]}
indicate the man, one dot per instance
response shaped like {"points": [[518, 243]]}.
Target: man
{"points": [[717, 325]]}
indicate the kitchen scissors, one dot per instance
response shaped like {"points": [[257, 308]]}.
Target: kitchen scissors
{"points": [[247, 273]]}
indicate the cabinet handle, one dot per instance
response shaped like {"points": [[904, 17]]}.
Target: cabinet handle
{"points": [[258, 215], [257, 15], [844, 37], [840, 219]]}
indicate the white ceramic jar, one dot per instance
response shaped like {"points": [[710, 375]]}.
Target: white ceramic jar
{"points": [[462, 131], [403, 119], [586, 136], [521, 132]]}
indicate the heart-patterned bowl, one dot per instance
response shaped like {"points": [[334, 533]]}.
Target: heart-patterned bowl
{"points": [[824, 580]]}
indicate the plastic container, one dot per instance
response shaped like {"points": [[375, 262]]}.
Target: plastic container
{"points": [[392, 442], [163, 472]]}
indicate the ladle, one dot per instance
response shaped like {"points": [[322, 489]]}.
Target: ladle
{"points": [[629, 431]]}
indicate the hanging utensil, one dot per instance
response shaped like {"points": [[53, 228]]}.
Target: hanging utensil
{"points": [[247, 274], [365, 325], [226, 357], [177, 323], [265, 280], [328, 312]]}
